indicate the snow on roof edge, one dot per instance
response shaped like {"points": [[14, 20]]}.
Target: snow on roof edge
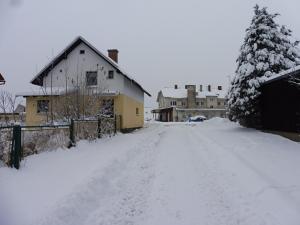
{"points": [[169, 92], [282, 74]]}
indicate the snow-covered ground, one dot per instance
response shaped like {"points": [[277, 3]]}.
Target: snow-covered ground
{"points": [[210, 173]]}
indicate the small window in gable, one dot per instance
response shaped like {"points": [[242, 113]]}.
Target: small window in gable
{"points": [[111, 74], [137, 111], [82, 52]]}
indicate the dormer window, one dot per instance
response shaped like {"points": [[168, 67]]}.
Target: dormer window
{"points": [[82, 52], [91, 78]]}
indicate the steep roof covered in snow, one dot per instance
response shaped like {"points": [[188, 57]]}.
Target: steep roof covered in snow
{"points": [[38, 79]]}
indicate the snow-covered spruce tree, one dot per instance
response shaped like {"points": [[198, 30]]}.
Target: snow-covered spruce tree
{"points": [[267, 50]]}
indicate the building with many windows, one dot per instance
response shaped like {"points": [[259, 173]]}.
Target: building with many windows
{"points": [[179, 104]]}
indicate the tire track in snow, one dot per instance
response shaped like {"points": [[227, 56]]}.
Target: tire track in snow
{"points": [[247, 203], [114, 196], [227, 204], [175, 197]]}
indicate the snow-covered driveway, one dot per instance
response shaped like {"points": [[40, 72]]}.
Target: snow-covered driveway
{"points": [[211, 173]]}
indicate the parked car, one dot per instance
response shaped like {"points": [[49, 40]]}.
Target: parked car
{"points": [[199, 118]]}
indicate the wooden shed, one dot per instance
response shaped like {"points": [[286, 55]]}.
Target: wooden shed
{"points": [[280, 102]]}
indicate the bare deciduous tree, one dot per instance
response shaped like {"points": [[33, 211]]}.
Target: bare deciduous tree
{"points": [[7, 105]]}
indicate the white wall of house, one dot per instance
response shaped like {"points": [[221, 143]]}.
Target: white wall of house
{"points": [[131, 90], [71, 72]]}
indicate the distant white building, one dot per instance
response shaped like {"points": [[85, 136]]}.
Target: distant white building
{"points": [[179, 104]]}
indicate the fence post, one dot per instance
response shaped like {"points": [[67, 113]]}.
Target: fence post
{"points": [[99, 127], [72, 135], [121, 123], [15, 157], [115, 131]]}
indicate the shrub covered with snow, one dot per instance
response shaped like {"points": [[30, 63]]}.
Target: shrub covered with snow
{"points": [[267, 50]]}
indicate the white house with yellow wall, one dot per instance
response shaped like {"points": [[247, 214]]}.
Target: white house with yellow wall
{"points": [[82, 65]]}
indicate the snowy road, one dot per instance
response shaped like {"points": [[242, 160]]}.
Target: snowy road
{"points": [[211, 173]]}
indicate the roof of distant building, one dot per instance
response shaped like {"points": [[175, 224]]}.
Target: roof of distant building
{"points": [[169, 92]]}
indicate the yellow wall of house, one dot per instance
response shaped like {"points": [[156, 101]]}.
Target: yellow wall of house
{"points": [[126, 106], [123, 105], [32, 116], [10, 117]]}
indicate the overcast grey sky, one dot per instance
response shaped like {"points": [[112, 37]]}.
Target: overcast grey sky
{"points": [[160, 42]]}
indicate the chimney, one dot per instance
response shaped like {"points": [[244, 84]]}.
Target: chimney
{"points": [[220, 88], [209, 88], [201, 88], [176, 86], [113, 54], [191, 96]]}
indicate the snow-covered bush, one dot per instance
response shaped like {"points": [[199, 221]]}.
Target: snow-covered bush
{"points": [[267, 50], [5, 144]]}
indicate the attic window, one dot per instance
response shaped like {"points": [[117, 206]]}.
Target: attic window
{"points": [[111, 74], [81, 52], [91, 78]]}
